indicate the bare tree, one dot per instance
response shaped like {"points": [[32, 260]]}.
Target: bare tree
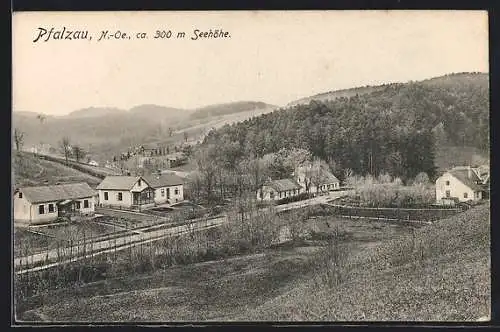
{"points": [[348, 173], [79, 153], [18, 139], [66, 147]]}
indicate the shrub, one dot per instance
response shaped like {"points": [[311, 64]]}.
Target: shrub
{"points": [[299, 197]]}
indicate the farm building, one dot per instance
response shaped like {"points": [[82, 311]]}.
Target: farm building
{"points": [[278, 189], [168, 188], [316, 180], [42, 204], [462, 183]]}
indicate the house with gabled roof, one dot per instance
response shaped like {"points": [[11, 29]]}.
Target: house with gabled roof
{"points": [[41, 204], [279, 189], [316, 180], [168, 187], [130, 192], [462, 184]]}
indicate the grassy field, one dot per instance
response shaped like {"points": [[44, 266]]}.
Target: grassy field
{"points": [[31, 171], [214, 290], [392, 272], [444, 277]]}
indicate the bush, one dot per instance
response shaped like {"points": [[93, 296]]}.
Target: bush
{"points": [[372, 193], [291, 199]]}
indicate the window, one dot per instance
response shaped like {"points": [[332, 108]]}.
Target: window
{"points": [[177, 191], [447, 183], [448, 193], [261, 195], [271, 195], [86, 204], [139, 183], [41, 209], [20, 195], [120, 196], [51, 208], [163, 193], [105, 196], [78, 205], [465, 195]]}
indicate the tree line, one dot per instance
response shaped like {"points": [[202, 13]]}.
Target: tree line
{"points": [[394, 130]]}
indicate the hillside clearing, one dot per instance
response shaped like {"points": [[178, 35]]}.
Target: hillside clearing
{"points": [[29, 170]]}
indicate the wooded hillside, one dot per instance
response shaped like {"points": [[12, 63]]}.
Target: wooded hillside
{"points": [[395, 129]]}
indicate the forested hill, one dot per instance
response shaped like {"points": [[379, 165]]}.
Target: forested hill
{"points": [[394, 129]]}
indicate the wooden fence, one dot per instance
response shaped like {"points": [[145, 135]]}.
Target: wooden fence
{"points": [[392, 213]]}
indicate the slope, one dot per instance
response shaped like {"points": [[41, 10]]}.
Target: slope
{"points": [[28, 170], [444, 276]]}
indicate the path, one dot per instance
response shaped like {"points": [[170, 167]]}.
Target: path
{"points": [[46, 258], [120, 243]]}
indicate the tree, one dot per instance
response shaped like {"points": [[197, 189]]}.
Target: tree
{"points": [[318, 173], [207, 169], [186, 136], [421, 178], [79, 153], [296, 157], [66, 147], [18, 139], [170, 131]]}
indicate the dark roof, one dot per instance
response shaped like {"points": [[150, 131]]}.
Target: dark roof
{"points": [[164, 180], [328, 177], [473, 182], [118, 182], [57, 192], [283, 184]]}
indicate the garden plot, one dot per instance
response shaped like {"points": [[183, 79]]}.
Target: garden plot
{"points": [[28, 243]]}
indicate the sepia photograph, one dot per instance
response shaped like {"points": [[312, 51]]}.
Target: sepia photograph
{"points": [[249, 166]]}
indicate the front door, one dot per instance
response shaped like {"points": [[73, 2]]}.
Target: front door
{"points": [[136, 198]]}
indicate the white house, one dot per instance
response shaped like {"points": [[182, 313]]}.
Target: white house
{"points": [[460, 183], [41, 204], [93, 163], [316, 180], [168, 188], [131, 192], [279, 189]]}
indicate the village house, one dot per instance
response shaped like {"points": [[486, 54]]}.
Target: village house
{"points": [[463, 183], [176, 159], [279, 189], [168, 188], [138, 192], [35, 205], [307, 177], [130, 192], [93, 163]]}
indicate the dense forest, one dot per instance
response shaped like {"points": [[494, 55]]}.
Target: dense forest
{"points": [[393, 130]]}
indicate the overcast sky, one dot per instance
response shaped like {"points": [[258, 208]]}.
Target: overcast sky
{"points": [[275, 57]]}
